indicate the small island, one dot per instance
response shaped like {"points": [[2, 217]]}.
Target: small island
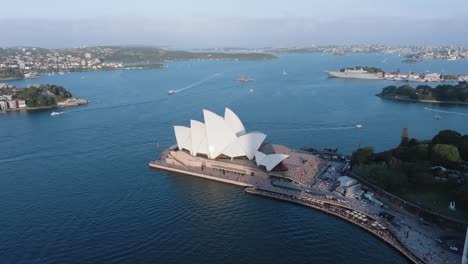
{"points": [[444, 93], [34, 97]]}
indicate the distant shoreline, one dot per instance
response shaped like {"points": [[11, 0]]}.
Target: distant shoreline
{"points": [[421, 101], [82, 102]]}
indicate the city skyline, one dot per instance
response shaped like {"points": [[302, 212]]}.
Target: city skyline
{"points": [[205, 24]]}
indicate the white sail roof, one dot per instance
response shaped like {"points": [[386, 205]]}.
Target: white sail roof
{"points": [[259, 156], [234, 150], [234, 122], [269, 161], [218, 133], [198, 137], [250, 143], [183, 137], [218, 136]]}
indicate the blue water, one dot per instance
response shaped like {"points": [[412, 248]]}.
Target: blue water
{"points": [[77, 188]]}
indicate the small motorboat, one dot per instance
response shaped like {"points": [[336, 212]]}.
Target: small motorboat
{"points": [[437, 117], [330, 149], [55, 113], [251, 90], [359, 126], [171, 92]]}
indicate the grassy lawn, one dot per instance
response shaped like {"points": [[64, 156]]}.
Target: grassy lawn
{"points": [[437, 201]]}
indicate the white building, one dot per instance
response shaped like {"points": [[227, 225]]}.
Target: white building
{"points": [[12, 104], [21, 103], [3, 105], [224, 137], [348, 186], [6, 97]]}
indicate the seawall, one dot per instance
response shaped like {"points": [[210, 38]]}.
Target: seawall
{"points": [[199, 175], [399, 248]]}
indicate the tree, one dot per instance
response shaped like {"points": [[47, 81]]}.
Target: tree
{"points": [[461, 197], [405, 90], [445, 154], [463, 147], [362, 155], [447, 137], [390, 179]]}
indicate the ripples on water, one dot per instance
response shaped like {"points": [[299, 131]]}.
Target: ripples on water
{"points": [[77, 188]]}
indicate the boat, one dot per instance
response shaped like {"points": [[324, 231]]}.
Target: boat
{"points": [[244, 79], [355, 74], [309, 149], [284, 72], [330, 149], [61, 73], [171, 92], [251, 90], [56, 113], [437, 117], [359, 126]]}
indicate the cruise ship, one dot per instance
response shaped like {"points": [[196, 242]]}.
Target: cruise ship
{"points": [[355, 74]]}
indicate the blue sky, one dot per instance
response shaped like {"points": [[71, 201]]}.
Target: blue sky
{"points": [[240, 23]]}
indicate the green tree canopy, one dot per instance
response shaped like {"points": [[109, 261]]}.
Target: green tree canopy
{"points": [[445, 154], [461, 197], [449, 137], [362, 155]]}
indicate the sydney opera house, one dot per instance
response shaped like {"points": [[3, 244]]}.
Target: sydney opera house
{"points": [[221, 147]]}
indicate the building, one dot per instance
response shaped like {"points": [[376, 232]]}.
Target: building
{"points": [[21, 103], [6, 97], [3, 105], [221, 146], [12, 104], [226, 137], [348, 186]]}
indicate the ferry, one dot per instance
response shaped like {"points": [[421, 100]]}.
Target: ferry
{"points": [[171, 92], [245, 79]]}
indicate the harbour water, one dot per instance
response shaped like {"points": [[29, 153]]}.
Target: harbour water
{"points": [[76, 187]]}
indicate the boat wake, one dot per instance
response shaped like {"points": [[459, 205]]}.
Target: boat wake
{"points": [[316, 128], [199, 82], [445, 112]]}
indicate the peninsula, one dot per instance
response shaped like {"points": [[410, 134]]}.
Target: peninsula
{"points": [[221, 149], [23, 63], [447, 94], [35, 97]]}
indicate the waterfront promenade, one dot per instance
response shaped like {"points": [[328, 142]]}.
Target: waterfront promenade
{"points": [[404, 234], [349, 214]]}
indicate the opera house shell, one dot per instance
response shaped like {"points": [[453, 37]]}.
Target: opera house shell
{"points": [[224, 136]]}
